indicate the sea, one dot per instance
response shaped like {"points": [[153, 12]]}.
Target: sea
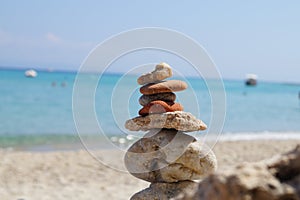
{"points": [[40, 111]]}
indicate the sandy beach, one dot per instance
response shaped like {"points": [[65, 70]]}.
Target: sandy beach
{"points": [[77, 175]]}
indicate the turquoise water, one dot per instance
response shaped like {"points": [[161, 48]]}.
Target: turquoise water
{"points": [[43, 105]]}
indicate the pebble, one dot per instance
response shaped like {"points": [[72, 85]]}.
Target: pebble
{"points": [[168, 96], [161, 72], [160, 107], [162, 87], [179, 120]]}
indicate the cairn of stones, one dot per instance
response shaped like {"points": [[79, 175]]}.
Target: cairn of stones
{"points": [[166, 154]]}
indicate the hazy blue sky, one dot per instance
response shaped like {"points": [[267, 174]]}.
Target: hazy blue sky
{"points": [[261, 37]]}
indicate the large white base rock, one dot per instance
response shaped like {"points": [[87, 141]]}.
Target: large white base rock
{"points": [[169, 156]]}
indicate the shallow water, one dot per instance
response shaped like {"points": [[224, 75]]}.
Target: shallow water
{"points": [[43, 105]]}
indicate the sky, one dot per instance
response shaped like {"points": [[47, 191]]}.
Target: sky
{"points": [[241, 37]]}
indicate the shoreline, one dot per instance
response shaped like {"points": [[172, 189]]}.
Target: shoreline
{"points": [[69, 142], [75, 174]]}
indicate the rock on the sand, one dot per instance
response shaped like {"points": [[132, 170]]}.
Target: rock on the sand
{"points": [[168, 96], [169, 156], [274, 179], [164, 86], [161, 72], [246, 181], [179, 120]]}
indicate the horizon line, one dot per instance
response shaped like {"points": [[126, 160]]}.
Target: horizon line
{"points": [[51, 70]]}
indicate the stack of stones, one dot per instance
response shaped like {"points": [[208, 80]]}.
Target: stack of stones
{"points": [[166, 154]]}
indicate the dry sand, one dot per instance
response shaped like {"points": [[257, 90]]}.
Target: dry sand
{"points": [[77, 175]]}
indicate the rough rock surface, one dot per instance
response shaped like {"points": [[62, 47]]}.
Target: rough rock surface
{"points": [[274, 179], [179, 120], [160, 107], [169, 156], [168, 96], [161, 72], [247, 181], [164, 86], [175, 191]]}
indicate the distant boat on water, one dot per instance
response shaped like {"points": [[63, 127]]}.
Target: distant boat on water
{"points": [[30, 73], [251, 79]]}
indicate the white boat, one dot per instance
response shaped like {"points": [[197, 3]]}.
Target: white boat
{"points": [[251, 79], [30, 73]]}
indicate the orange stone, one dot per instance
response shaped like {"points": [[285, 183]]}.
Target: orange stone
{"points": [[160, 107]]}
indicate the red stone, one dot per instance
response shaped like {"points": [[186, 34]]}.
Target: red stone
{"points": [[160, 107]]}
